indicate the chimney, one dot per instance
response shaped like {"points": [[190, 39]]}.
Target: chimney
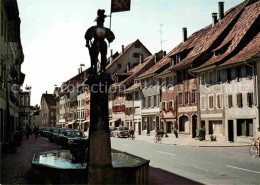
{"points": [[79, 70], [184, 30], [111, 57], [220, 10], [214, 19], [123, 48], [46, 92], [164, 53]]}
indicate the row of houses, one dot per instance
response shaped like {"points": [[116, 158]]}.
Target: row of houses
{"points": [[209, 81], [14, 103]]}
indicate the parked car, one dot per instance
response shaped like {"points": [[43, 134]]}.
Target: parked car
{"points": [[60, 135], [73, 138], [120, 132], [53, 134], [46, 131], [40, 130]]}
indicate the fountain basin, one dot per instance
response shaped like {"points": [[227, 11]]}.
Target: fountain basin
{"points": [[57, 167]]}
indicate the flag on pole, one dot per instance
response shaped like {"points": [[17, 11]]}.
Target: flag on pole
{"points": [[120, 5]]}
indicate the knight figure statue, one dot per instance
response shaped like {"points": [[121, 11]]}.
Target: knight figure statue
{"points": [[99, 33]]}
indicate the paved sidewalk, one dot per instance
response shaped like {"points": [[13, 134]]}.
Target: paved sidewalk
{"points": [[15, 167], [172, 140]]}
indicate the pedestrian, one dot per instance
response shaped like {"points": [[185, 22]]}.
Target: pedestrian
{"points": [[28, 131], [35, 131], [175, 129]]}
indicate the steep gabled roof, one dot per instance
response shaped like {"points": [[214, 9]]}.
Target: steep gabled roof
{"points": [[125, 51], [139, 69], [210, 37], [188, 44], [242, 42], [50, 99]]}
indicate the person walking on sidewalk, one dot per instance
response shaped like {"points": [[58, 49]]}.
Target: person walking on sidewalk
{"points": [[174, 128], [28, 131]]}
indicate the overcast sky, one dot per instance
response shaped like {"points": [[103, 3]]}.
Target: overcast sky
{"points": [[52, 32]]}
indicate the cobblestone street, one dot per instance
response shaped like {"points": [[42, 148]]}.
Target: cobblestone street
{"points": [[15, 167]]}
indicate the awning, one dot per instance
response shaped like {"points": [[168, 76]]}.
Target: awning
{"points": [[114, 120], [70, 123]]}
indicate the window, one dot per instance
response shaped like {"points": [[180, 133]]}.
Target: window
{"points": [[136, 95], [21, 100], [163, 106], [249, 72], [171, 81], [149, 101], [211, 102], [155, 101], [186, 97], [136, 55], [210, 77], [238, 73], [203, 79], [215, 127], [250, 100], [245, 127], [169, 106], [218, 76], [137, 45], [239, 100], [193, 96], [219, 101], [229, 75], [230, 101], [202, 102], [180, 97], [143, 102]]}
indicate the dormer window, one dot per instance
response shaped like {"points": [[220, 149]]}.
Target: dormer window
{"points": [[172, 61], [223, 49]]}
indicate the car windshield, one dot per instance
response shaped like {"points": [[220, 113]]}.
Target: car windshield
{"points": [[47, 129], [55, 130], [123, 128], [62, 130], [75, 133]]}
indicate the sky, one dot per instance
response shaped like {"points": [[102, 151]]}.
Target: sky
{"points": [[52, 32]]}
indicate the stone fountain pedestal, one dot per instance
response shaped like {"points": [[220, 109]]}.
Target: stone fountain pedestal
{"points": [[99, 153]]}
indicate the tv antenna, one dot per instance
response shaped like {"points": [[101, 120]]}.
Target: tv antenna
{"points": [[162, 41]]}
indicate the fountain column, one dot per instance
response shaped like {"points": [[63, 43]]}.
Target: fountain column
{"points": [[99, 163]]}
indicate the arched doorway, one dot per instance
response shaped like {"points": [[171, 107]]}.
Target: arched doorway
{"points": [[194, 125], [184, 124]]}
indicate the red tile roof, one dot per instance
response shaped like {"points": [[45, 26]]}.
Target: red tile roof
{"points": [[210, 37], [50, 99], [239, 37]]}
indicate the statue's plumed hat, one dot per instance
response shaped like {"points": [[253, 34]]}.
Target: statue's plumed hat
{"points": [[100, 15]]}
